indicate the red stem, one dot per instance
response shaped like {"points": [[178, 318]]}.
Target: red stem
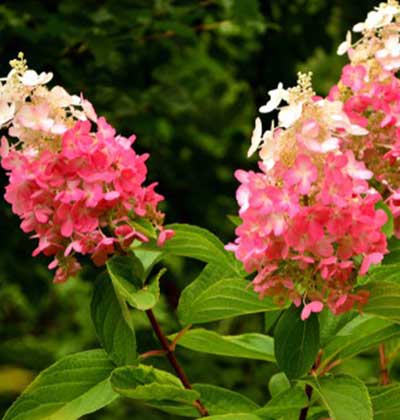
{"points": [[384, 377], [172, 359]]}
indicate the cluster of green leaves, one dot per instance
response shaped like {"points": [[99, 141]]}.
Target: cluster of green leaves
{"points": [[87, 381]]}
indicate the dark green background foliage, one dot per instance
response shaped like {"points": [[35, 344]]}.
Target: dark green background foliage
{"points": [[187, 78]]}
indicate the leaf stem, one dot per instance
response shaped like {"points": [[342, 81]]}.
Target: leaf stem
{"points": [[384, 374], [173, 360]]}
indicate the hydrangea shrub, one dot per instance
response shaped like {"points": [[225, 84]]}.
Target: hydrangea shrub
{"points": [[316, 248]]}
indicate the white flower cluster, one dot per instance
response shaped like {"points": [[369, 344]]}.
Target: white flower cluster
{"points": [[32, 111]]}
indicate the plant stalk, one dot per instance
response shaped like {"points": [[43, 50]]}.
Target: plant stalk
{"points": [[173, 360], [304, 411], [384, 374]]}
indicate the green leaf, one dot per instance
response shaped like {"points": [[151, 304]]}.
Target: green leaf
{"points": [[194, 242], [345, 397], [217, 400], [278, 383], [237, 416], [126, 269], [330, 324], [113, 323], [250, 346], [384, 300], [149, 257], [317, 413], [360, 334], [296, 342], [128, 284], [213, 296], [144, 226], [386, 402], [270, 319], [393, 258], [388, 227], [72, 387], [286, 402], [147, 383], [384, 272], [236, 220]]}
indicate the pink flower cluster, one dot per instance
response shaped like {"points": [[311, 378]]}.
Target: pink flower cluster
{"points": [[304, 233], [372, 100], [310, 220], [77, 190], [83, 198]]}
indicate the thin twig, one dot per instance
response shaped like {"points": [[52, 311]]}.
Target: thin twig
{"points": [[152, 353], [178, 336], [384, 374], [172, 359], [330, 367]]}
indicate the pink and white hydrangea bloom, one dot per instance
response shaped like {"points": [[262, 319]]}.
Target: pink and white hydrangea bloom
{"points": [[310, 220], [77, 187]]}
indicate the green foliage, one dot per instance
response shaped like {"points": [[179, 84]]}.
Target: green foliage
{"points": [[198, 243], [147, 383], [286, 402], [358, 335], [250, 346], [386, 272], [217, 400], [79, 385], [388, 227], [237, 416], [385, 402], [113, 323], [345, 397], [278, 383], [296, 342], [384, 300], [127, 277], [213, 296]]}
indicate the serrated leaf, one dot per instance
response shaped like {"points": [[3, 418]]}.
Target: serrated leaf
{"points": [[212, 296], [217, 400], [113, 323], [296, 342], [250, 346], [360, 334], [149, 384], [386, 402], [198, 243], [72, 387], [384, 300], [345, 397], [286, 402], [128, 284]]}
